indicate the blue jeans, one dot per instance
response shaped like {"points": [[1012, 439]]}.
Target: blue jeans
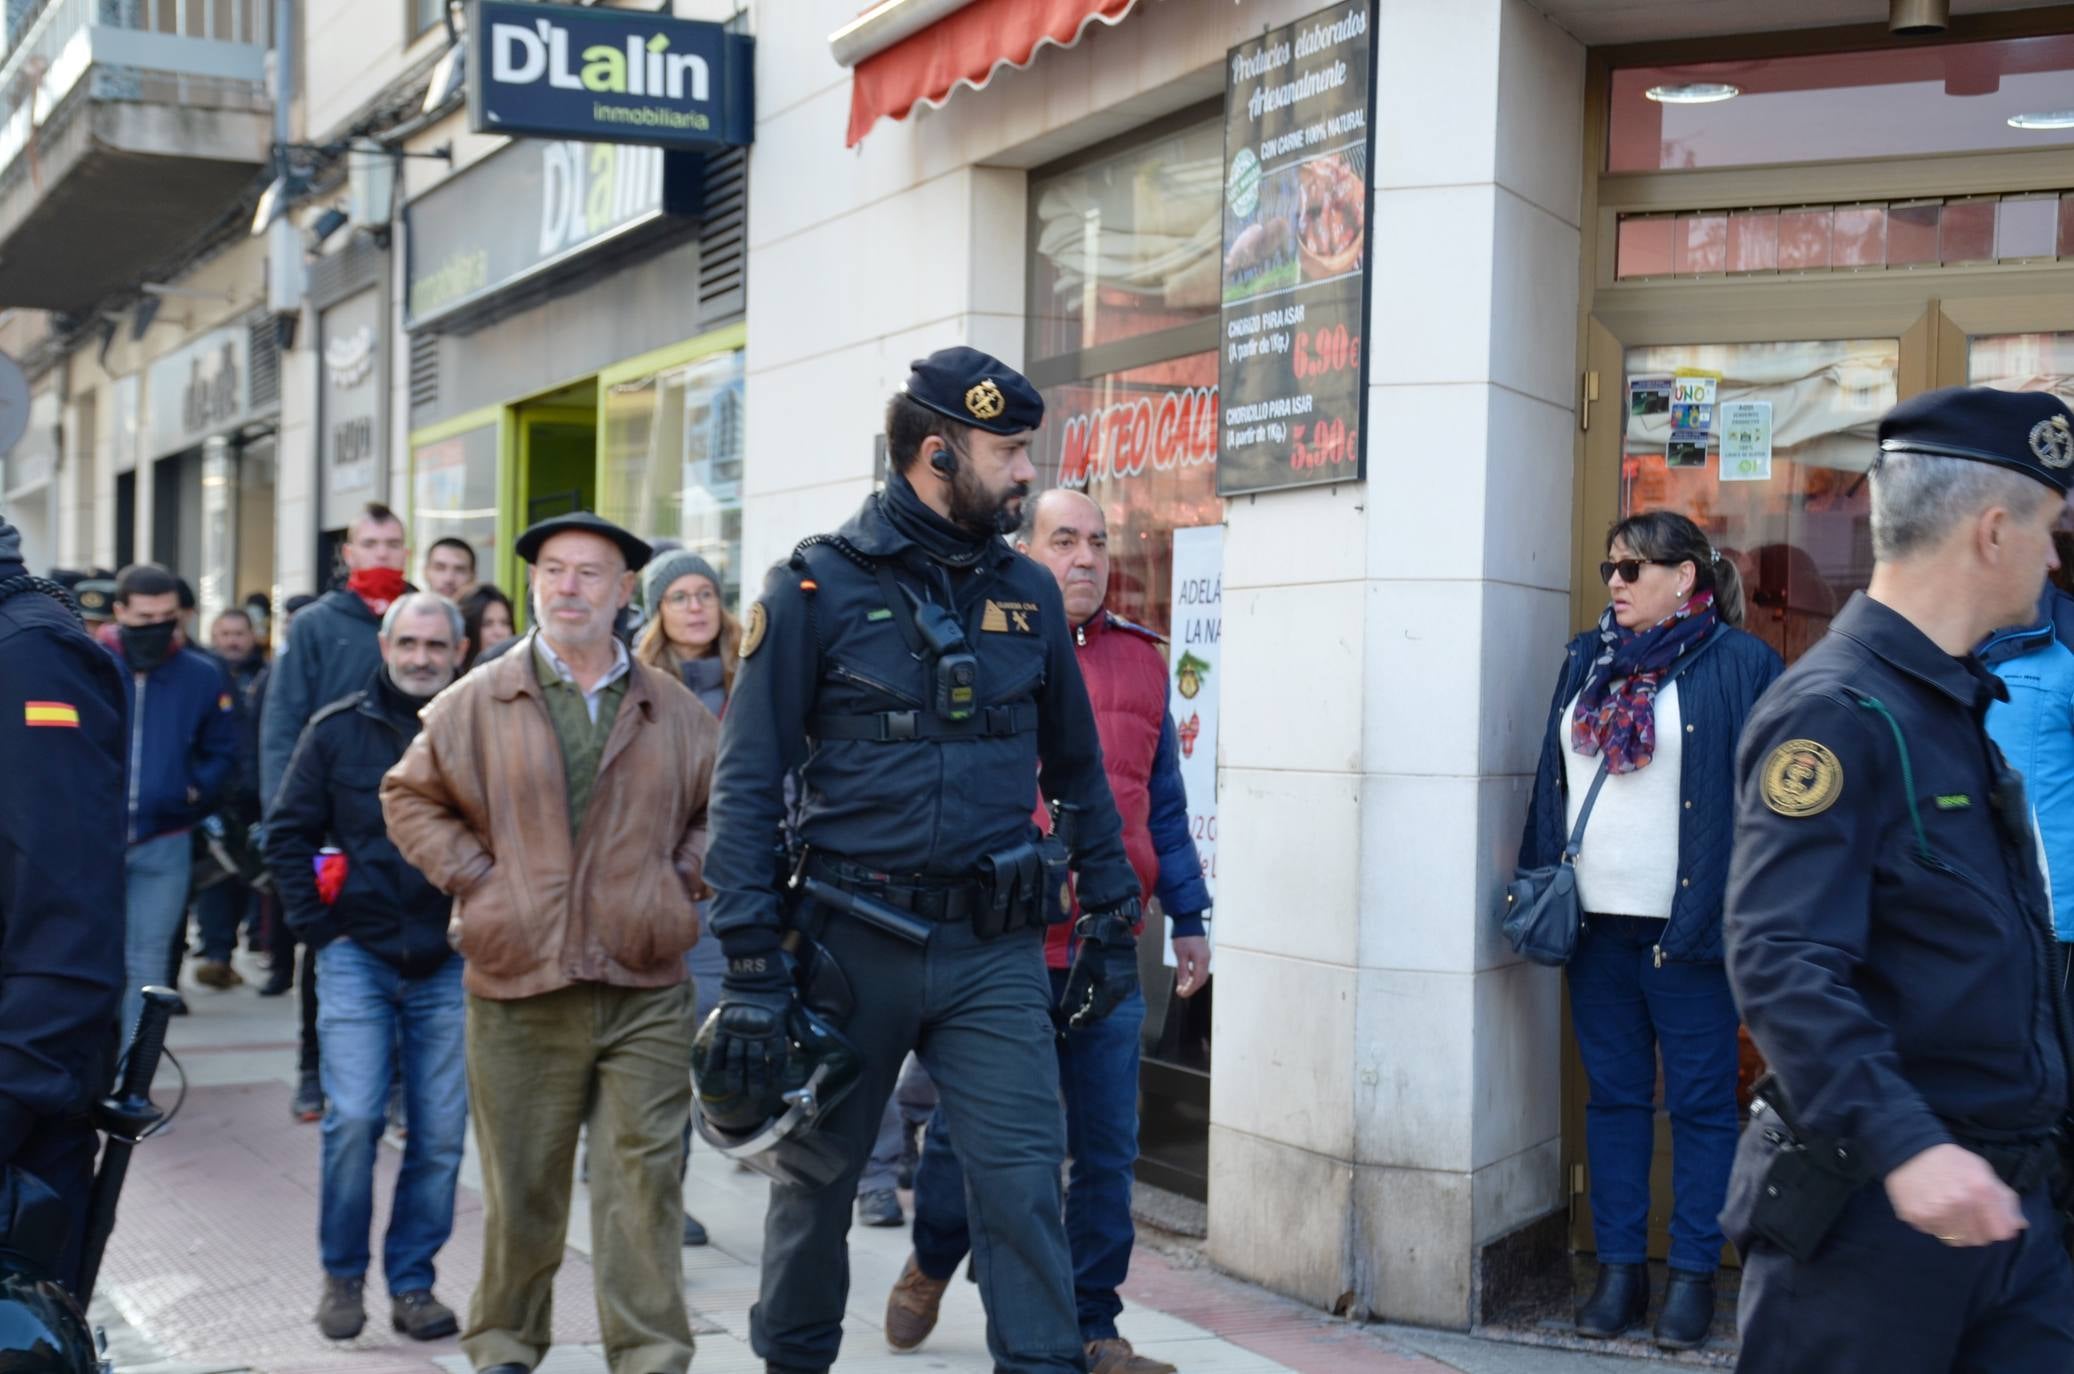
{"points": [[1098, 1075], [157, 871], [1626, 1010], [367, 1011]]}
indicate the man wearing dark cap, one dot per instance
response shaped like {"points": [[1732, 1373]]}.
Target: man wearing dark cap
{"points": [[559, 795], [914, 671], [1889, 939]]}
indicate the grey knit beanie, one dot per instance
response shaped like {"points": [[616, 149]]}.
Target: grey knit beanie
{"points": [[667, 568]]}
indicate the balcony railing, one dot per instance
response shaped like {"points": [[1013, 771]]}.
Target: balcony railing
{"points": [[208, 54]]}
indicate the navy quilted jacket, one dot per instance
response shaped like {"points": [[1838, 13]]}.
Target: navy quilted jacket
{"points": [[1715, 695]]}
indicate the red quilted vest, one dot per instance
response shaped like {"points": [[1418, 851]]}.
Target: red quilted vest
{"points": [[1126, 675]]}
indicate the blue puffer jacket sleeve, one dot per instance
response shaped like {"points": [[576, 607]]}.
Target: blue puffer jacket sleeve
{"points": [[1181, 890]]}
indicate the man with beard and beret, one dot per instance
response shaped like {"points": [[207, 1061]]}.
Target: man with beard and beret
{"points": [[1889, 940], [914, 671]]}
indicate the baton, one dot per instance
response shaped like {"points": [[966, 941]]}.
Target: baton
{"points": [[892, 920], [124, 1116]]}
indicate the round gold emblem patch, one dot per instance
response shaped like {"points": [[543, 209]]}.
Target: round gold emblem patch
{"points": [[985, 401], [752, 633], [1802, 778]]}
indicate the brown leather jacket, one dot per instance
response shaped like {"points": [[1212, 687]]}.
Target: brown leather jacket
{"points": [[479, 804]]}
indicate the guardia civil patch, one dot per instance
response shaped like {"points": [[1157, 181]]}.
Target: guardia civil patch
{"points": [[752, 633], [1802, 778]]}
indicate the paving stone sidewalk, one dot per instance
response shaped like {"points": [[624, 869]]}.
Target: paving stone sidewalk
{"points": [[214, 1262]]}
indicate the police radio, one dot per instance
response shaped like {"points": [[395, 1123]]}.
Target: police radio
{"points": [[954, 667]]}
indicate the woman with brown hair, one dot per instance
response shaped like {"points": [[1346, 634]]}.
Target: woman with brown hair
{"points": [[689, 632], [1647, 711]]}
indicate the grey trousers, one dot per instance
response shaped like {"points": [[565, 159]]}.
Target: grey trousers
{"points": [[977, 1015]]}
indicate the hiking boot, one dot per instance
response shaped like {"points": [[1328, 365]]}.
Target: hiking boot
{"points": [[309, 1097], [880, 1207], [912, 1305], [340, 1312], [1115, 1356], [214, 973], [422, 1317]]}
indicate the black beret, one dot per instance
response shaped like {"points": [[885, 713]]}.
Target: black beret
{"points": [[582, 522], [976, 389], [2031, 432], [95, 597]]}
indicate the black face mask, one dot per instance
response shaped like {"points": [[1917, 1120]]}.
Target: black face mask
{"points": [[147, 646]]}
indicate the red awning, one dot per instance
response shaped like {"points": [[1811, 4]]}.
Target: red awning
{"points": [[966, 48]]}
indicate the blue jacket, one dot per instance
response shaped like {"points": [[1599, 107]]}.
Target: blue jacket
{"points": [[183, 741], [2035, 729], [1182, 893], [61, 918], [1715, 695]]}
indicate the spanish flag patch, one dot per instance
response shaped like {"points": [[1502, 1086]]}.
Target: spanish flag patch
{"points": [[50, 713], [223, 702]]}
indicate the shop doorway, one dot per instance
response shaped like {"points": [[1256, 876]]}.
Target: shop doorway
{"points": [[558, 461], [1806, 280], [1791, 505]]}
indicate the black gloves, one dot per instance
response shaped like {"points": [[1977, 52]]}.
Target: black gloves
{"points": [[1105, 965], [749, 1046]]}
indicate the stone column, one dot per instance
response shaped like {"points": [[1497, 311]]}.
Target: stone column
{"points": [[1385, 1098]]}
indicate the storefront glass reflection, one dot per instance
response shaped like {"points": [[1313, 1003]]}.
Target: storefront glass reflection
{"points": [[454, 493], [1802, 535], [673, 460]]}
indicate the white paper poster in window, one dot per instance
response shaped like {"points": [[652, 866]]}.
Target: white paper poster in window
{"points": [[1198, 607]]}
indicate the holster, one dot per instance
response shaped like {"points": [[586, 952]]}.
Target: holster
{"points": [[1788, 1186], [1014, 883]]}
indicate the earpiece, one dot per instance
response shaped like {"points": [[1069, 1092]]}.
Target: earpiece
{"points": [[944, 461]]}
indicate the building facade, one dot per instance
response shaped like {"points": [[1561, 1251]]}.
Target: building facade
{"points": [[1363, 321]]}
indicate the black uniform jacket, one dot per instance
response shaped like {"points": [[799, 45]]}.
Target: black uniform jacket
{"points": [[332, 794], [62, 736], [1892, 962], [831, 648]]}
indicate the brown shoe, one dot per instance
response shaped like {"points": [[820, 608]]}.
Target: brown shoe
{"points": [[340, 1312], [911, 1306], [421, 1316], [213, 974], [1115, 1356]]}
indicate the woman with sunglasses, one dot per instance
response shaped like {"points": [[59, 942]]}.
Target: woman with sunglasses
{"points": [[1656, 694]]}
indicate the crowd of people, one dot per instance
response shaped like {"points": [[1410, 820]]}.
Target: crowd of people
{"points": [[796, 883]]}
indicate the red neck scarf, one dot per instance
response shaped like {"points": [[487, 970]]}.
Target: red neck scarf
{"points": [[378, 587]]}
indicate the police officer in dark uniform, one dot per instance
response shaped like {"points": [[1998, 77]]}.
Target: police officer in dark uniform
{"points": [[915, 671], [1889, 940], [61, 908]]}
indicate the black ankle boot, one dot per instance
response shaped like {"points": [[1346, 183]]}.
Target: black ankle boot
{"points": [[1688, 1312], [1618, 1303]]}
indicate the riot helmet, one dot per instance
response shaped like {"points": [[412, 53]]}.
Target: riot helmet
{"points": [[775, 1133], [42, 1330]]}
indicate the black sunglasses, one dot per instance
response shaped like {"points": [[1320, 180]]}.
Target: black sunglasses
{"points": [[1628, 568]]}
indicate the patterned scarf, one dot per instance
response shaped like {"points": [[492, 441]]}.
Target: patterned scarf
{"points": [[1621, 720]]}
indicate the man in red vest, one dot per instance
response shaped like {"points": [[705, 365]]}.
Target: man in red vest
{"points": [[1126, 673]]}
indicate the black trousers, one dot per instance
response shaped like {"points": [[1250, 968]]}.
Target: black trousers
{"points": [[977, 1014], [60, 1153], [1881, 1297]]}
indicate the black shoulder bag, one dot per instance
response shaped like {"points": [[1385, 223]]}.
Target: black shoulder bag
{"points": [[1540, 913]]}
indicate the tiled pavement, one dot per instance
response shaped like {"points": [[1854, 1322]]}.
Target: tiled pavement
{"points": [[214, 1267]]}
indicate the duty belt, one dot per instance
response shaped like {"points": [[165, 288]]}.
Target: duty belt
{"points": [[933, 899], [1018, 718]]}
